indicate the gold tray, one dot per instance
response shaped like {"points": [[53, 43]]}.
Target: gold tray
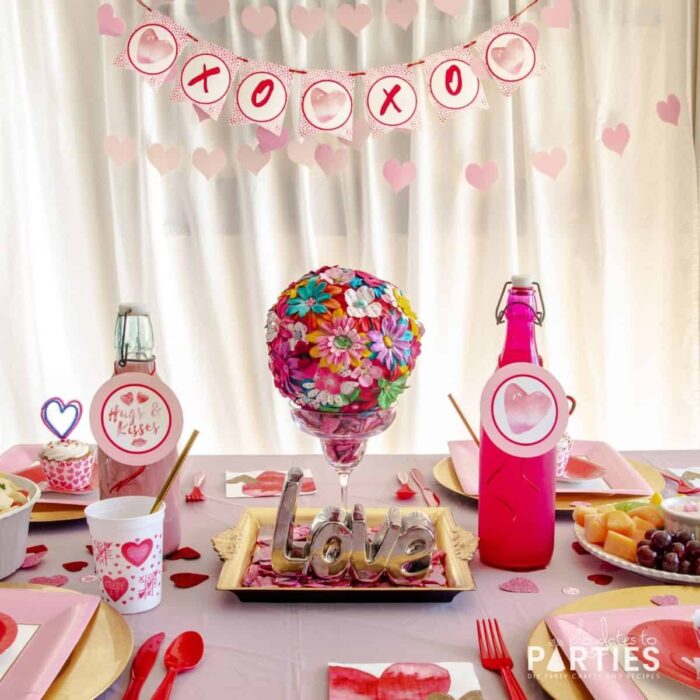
{"points": [[562, 685], [99, 657], [445, 475], [235, 548], [55, 512]]}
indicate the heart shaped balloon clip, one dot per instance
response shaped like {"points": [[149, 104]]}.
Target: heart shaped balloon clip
{"points": [[61, 417]]}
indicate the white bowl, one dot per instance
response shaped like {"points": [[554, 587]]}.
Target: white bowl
{"points": [[14, 528], [676, 520]]}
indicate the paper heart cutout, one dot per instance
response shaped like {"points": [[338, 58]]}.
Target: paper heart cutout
{"points": [[524, 411], [209, 164], [354, 19], [252, 159], [557, 15], [328, 105], [115, 588], [151, 49], [600, 579], [616, 139], [399, 175], [401, 12], [163, 159], [60, 417], [519, 584], [479, 68], [531, 33], [330, 161], [576, 546], [32, 559], [669, 110], [482, 176], [212, 10], [186, 553], [302, 152], [449, 7], [127, 398], [550, 164], [137, 552], [267, 141], [35, 549], [121, 151], [188, 580], [58, 580], [511, 56], [360, 133], [665, 600], [308, 20], [107, 22], [258, 20], [74, 566]]}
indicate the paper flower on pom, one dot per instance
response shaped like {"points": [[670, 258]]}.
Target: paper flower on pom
{"points": [[342, 340]]}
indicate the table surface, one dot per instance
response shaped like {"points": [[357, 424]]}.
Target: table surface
{"points": [[281, 651]]}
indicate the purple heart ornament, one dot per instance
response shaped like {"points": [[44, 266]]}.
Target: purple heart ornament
{"points": [[60, 417]]}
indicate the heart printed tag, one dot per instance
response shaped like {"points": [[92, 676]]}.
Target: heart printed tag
{"points": [[60, 417], [326, 103]]}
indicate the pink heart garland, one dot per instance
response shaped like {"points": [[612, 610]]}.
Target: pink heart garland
{"points": [[354, 19], [360, 133], [449, 7], [202, 116], [137, 552], [399, 175], [482, 176], [616, 138], [269, 141], [558, 14], [330, 161], [107, 22], [163, 159], [115, 587], [669, 110], [531, 33], [664, 600], [252, 159], [401, 12], [209, 164], [302, 153], [519, 584], [550, 164], [57, 580], [258, 20], [120, 150], [212, 10], [308, 20]]}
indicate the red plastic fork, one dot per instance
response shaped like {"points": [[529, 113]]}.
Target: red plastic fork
{"points": [[196, 495], [683, 487], [495, 656]]}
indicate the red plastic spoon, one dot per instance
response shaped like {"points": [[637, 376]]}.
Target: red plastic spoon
{"points": [[184, 653]]}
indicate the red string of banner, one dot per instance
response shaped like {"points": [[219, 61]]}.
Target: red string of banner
{"points": [[354, 74]]}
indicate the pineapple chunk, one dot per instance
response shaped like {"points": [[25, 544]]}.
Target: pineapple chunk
{"points": [[650, 513], [580, 513], [620, 546], [620, 522], [596, 529]]}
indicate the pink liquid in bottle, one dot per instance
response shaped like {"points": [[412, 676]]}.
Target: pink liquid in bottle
{"points": [[516, 494], [134, 347]]}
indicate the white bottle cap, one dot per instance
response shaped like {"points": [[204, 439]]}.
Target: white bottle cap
{"points": [[521, 281], [135, 308]]}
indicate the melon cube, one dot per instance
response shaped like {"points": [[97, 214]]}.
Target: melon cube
{"points": [[608, 508], [620, 522], [580, 513], [642, 524], [650, 513], [638, 535], [596, 529], [620, 546]]}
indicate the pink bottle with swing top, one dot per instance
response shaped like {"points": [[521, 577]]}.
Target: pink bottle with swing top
{"points": [[133, 342], [516, 526]]}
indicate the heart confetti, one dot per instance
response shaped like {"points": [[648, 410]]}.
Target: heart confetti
{"points": [[405, 493], [550, 164], [184, 553], [669, 110], [578, 548], [354, 19], [34, 549], [600, 579], [665, 600], [557, 15], [302, 152], [187, 580], [399, 175], [108, 23], [60, 417], [252, 159], [267, 141], [308, 20], [519, 584], [209, 164], [212, 10], [121, 151], [258, 20], [570, 590], [483, 176], [74, 566], [32, 560], [163, 159], [401, 12], [616, 138], [58, 580]]}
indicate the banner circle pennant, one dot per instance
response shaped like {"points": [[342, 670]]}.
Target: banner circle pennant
{"points": [[152, 49], [261, 97], [453, 85], [205, 79], [524, 409], [391, 101], [327, 105], [510, 57]]}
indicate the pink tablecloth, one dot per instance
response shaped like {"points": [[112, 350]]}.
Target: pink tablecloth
{"points": [[280, 652]]}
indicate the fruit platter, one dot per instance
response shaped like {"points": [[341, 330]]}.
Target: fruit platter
{"points": [[636, 537]]}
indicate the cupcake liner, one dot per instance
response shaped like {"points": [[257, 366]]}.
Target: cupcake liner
{"points": [[69, 474]]}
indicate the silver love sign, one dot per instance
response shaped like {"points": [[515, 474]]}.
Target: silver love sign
{"points": [[339, 542]]}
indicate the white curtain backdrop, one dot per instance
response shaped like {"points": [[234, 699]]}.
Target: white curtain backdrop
{"points": [[613, 241]]}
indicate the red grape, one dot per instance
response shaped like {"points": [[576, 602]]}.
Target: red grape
{"points": [[679, 549], [660, 540], [643, 543], [649, 533], [646, 556], [671, 563], [692, 550], [686, 567]]}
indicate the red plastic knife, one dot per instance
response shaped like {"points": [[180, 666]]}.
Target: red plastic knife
{"points": [[142, 664]]}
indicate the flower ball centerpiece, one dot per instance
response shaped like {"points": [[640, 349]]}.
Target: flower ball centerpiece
{"points": [[341, 346]]}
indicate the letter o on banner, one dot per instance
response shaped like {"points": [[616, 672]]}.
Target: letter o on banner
{"points": [[453, 85], [261, 97]]}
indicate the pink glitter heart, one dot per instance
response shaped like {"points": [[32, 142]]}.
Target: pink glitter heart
{"points": [[520, 584], [58, 580], [32, 559], [664, 600]]}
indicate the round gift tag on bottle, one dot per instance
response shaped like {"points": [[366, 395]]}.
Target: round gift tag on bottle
{"points": [[136, 418], [524, 409]]}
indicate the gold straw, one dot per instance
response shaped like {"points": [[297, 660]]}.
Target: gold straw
{"points": [[171, 477], [464, 419]]}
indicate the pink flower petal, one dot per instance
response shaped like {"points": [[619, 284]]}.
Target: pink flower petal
{"points": [[519, 584]]}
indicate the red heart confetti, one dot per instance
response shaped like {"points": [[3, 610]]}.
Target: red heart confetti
{"points": [[186, 580], [74, 566], [404, 493], [35, 549], [519, 584], [89, 548], [576, 546], [32, 560], [600, 579], [184, 553], [664, 600], [58, 580]]}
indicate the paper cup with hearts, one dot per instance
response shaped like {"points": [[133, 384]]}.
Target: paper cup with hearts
{"points": [[127, 544]]}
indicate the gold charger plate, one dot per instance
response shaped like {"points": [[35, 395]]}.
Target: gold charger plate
{"points": [[445, 475], [55, 512], [562, 685], [99, 657], [235, 548]]}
